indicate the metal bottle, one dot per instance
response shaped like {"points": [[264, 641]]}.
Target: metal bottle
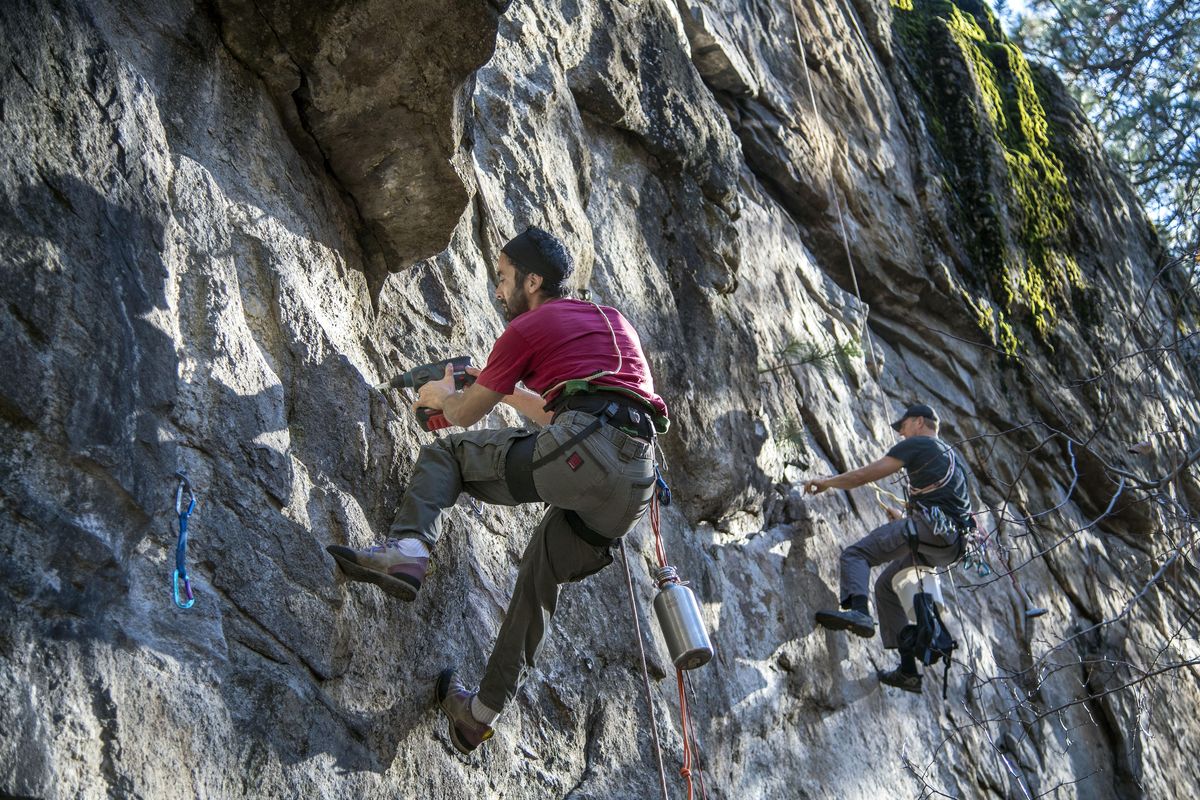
{"points": [[681, 622]]}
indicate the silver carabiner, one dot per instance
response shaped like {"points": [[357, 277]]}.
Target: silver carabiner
{"points": [[184, 483]]}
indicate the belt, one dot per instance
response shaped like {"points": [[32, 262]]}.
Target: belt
{"points": [[623, 413]]}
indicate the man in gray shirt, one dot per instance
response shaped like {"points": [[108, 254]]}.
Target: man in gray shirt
{"points": [[937, 478]]}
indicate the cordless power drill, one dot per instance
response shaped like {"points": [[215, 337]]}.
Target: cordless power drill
{"points": [[431, 419]]}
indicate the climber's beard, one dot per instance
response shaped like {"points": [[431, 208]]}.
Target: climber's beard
{"points": [[515, 304]]}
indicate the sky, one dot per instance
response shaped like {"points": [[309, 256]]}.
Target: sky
{"points": [[1014, 8]]}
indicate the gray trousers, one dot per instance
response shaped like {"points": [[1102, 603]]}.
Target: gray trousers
{"points": [[889, 543], [607, 479]]}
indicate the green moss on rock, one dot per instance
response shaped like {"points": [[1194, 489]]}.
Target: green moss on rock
{"points": [[983, 110]]}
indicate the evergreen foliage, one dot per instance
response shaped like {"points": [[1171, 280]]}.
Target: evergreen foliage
{"points": [[1135, 68]]}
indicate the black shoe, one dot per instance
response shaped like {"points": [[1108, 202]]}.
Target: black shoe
{"points": [[901, 680], [857, 622]]}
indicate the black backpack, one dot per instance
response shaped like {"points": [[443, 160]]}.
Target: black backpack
{"points": [[928, 641]]}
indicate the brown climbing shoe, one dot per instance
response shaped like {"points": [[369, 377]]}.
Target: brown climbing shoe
{"points": [[466, 732]]}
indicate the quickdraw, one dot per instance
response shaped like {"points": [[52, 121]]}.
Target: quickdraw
{"points": [[975, 556], [181, 548], [975, 542]]}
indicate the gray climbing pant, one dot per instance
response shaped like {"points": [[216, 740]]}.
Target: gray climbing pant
{"points": [[889, 543], [607, 479]]}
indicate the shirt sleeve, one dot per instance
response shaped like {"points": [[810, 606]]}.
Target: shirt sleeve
{"points": [[902, 450], [507, 364]]}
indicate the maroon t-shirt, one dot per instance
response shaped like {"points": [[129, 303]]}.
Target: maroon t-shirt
{"points": [[565, 339]]}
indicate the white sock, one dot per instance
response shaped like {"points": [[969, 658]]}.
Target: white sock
{"points": [[482, 713], [413, 548]]}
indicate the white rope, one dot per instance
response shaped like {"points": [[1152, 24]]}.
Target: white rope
{"points": [[837, 203], [637, 626], [602, 373]]}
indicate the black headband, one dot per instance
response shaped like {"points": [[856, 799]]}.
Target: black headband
{"points": [[528, 257]]}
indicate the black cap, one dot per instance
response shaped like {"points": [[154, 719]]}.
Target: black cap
{"points": [[540, 253], [915, 410]]}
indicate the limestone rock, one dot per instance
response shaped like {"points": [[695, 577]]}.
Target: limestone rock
{"points": [[223, 223]]}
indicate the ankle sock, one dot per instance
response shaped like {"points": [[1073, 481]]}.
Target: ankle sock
{"points": [[908, 664], [482, 713], [858, 602], [413, 548]]}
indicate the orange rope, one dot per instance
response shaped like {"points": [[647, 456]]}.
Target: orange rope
{"points": [[659, 550], [686, 771]]}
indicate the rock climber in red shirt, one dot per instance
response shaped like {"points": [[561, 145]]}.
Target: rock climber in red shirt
{"points": [[586, 383]]}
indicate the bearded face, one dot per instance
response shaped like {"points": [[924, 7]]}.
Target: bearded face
{"points": [[514, 302]]}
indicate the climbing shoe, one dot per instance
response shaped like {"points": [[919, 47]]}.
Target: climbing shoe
{"points": [[901, 680], [466, 732], [390, 566], [856, 622]]}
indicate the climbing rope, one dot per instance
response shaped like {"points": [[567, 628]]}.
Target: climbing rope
{"points": [[837, 203], [637, 626], [685, 725], [699, 769], [662, 497], [181, 548]]}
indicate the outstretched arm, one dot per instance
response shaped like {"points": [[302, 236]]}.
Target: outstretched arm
{"points": [[856, 477]]}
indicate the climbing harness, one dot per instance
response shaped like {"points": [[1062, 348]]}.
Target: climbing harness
{"points": [[181, 547], [975, 542]]}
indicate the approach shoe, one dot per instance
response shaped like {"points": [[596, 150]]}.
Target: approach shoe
{"points": [[856, 622], [901, 680], [466, 732], [385, 565]]}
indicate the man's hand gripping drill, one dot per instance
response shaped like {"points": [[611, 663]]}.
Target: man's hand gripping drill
{"points": [[434, 383]]}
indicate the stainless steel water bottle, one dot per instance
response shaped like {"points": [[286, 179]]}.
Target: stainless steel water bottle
{"points": [[681, 622]]}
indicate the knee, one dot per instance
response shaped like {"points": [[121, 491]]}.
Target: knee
{"points": [[435, 451], [883, 586], [851, 554]]}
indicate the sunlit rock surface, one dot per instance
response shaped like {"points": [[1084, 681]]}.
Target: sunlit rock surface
{"points": [[223, 223]]}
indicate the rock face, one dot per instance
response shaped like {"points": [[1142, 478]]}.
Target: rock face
{"points": [[223, 223]]}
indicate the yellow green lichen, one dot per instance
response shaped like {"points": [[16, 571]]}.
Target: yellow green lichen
{"points": [[1018, 241]]}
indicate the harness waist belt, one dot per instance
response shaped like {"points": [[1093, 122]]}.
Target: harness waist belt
{"points": [[630, 416]]}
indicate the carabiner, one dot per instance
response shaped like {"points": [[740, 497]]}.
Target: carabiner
{"points": [[664, 491]]}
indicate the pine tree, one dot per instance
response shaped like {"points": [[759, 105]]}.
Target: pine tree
{"points": [[1135, 68]]}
